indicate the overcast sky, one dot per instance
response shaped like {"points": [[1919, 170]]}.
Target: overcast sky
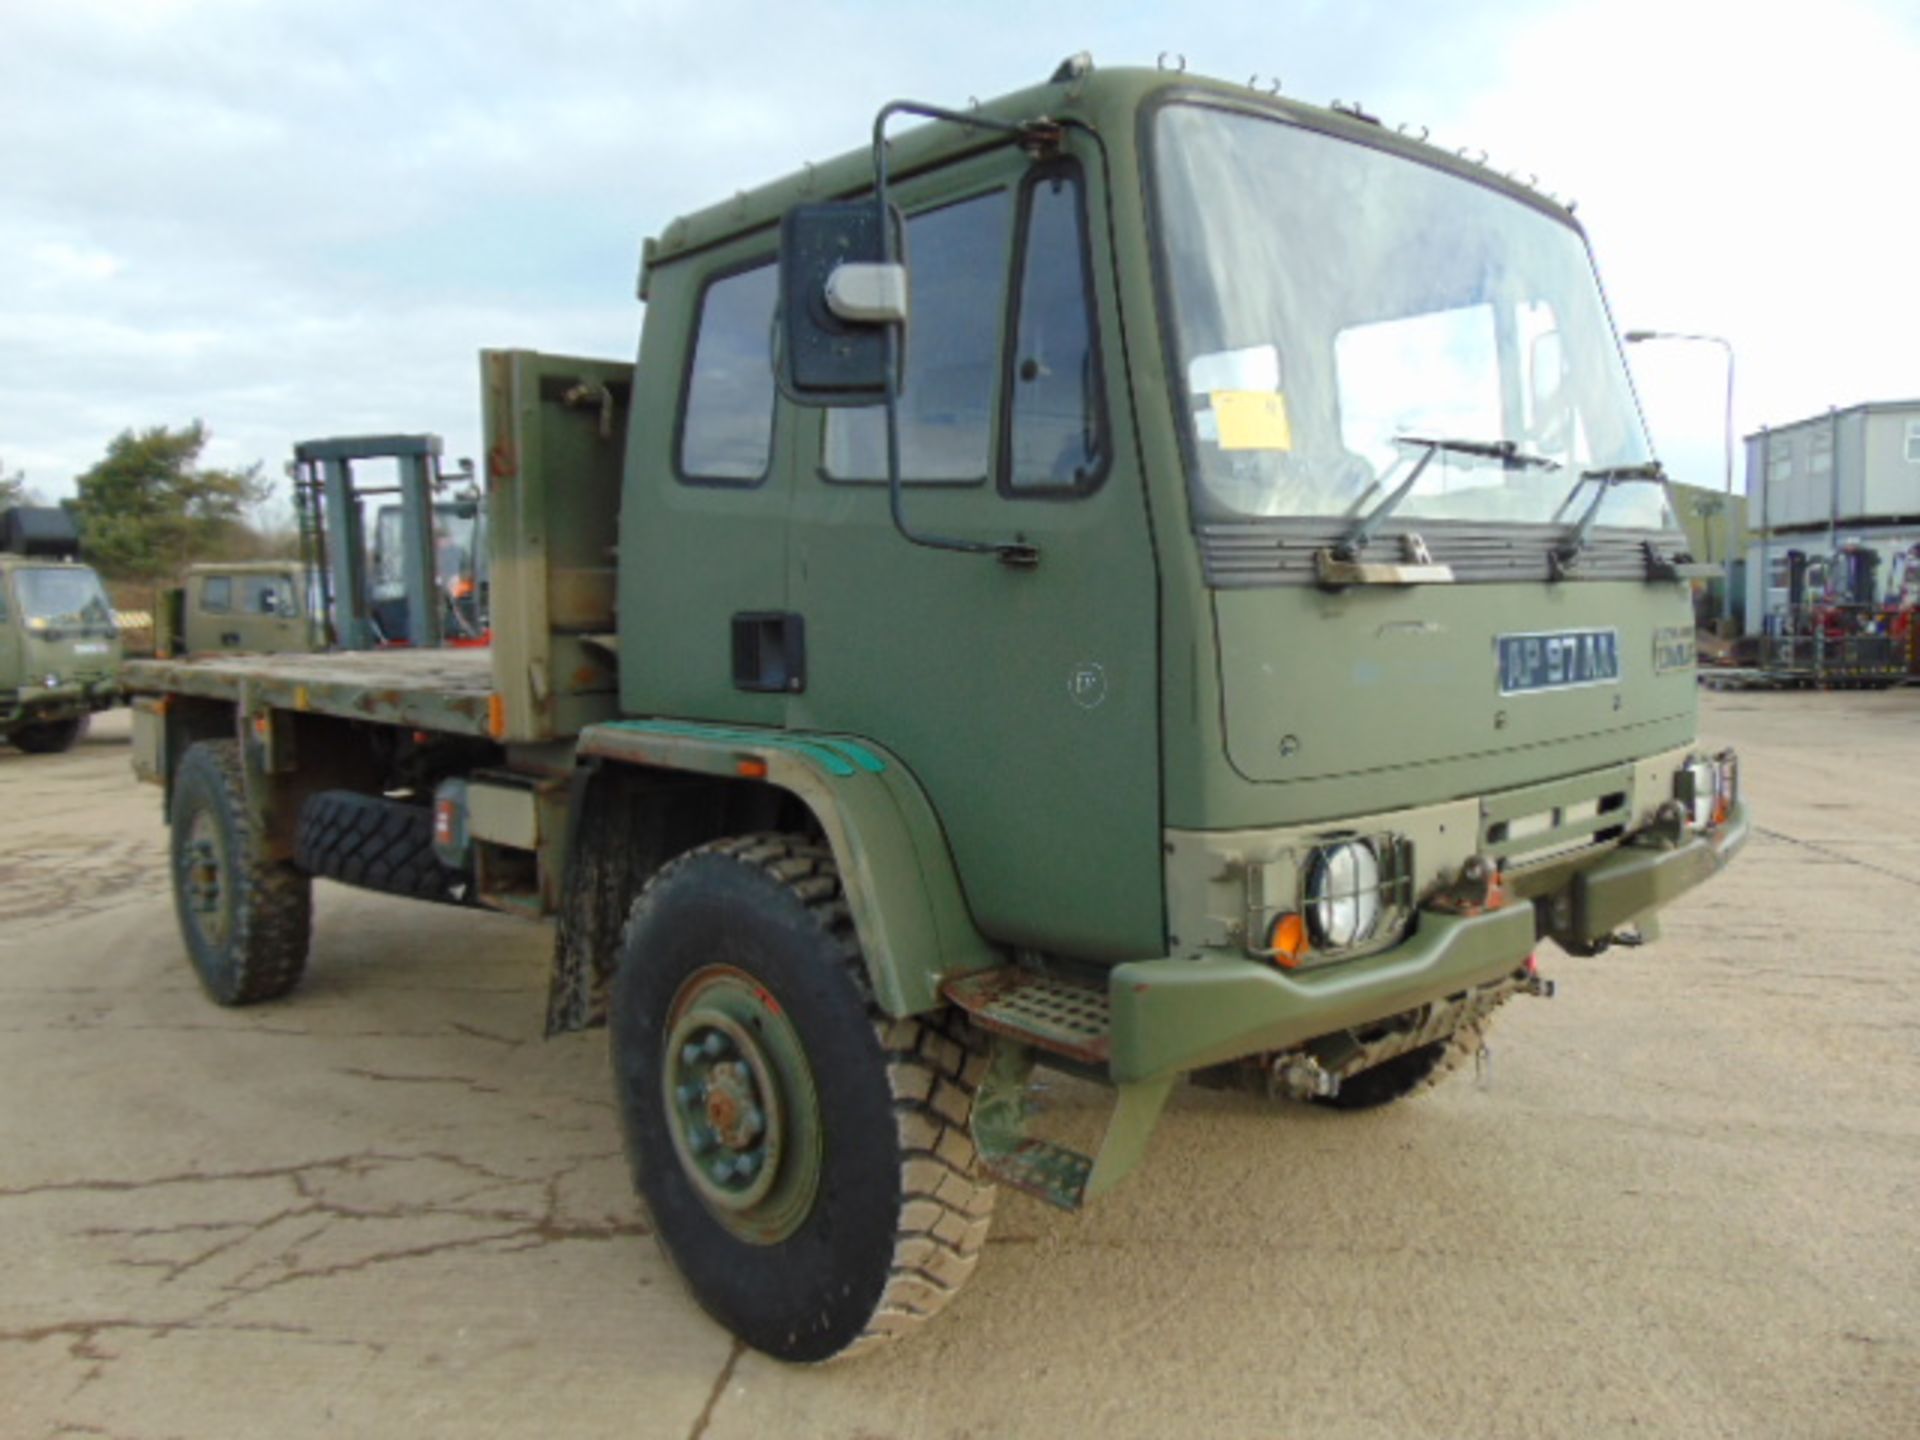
{"points": [[297, 218]]}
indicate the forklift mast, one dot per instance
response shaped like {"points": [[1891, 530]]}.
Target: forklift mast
{"points": [[335, 539]]}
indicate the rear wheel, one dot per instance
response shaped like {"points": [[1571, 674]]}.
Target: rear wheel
{"points": [[807, 1161], [246, 919], [50, 737]]}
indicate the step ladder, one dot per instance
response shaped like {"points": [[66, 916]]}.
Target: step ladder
{"points": [[1029, 1014]]}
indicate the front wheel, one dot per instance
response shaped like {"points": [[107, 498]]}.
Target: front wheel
{"points": [[51, 737], [807, 1162]]}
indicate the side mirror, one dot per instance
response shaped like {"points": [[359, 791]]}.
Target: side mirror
{"points": [[837, 296]]}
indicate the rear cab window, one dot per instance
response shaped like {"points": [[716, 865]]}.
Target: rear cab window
{"points": [[726, 424]]}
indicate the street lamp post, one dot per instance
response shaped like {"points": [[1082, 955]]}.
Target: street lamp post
{"points": [[1636, 337]]}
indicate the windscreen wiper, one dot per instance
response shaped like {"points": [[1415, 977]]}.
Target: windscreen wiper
{"points": [[1566, 554], [1340, 563]]}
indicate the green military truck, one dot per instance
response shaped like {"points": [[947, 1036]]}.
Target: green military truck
{"points": [[1187, 596], [255, 606], [59, 641]]}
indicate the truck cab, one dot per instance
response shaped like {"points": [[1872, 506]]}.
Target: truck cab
{"points": [[59, 640], [1347, 558], [259, 607]]}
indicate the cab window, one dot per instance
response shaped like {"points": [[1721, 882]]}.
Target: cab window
{"points": [[1057, 425], [957, 258], [216, 594], [726, 427], [266, 595]]}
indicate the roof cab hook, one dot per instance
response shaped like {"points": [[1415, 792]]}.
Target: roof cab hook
{"points": [[1179, 66]]}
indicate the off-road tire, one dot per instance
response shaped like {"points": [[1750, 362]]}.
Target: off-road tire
{"points": [[376, 844], [50, 737], [264, 907], [901, 1211], [1408, 1074]]}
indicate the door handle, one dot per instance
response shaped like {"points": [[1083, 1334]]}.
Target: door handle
{"points": [[769, 651]]}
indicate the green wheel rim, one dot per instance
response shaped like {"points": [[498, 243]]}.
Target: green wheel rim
{"points": [[203, 870], [741, 1104]]}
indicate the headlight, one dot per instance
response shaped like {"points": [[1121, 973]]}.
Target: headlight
{"points": [[1343, 894], [1727, 793], [1707, 789]]}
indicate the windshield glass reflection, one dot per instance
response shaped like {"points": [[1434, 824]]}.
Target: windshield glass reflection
{"points": [[1330, 299]]}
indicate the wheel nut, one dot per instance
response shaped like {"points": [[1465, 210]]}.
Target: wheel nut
{"points": [[702, 1139], [690, 1094], [690, 1055], [748, 1165], [717, 1044]]}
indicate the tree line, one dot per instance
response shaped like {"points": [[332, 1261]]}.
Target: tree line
{"points": [[149, 508]]}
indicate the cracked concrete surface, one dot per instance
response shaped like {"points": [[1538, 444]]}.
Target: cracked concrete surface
{"points": [[1684, 1201]]}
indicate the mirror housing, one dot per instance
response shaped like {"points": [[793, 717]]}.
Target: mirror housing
{"points": [[838, 293]]}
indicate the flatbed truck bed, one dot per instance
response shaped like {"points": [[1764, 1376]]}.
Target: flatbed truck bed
{"points": [[444, 690]]}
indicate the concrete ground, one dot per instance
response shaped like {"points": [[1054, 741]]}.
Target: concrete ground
{"points": [[1684, 1200]]}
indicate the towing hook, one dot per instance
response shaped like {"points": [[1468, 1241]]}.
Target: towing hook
{"points": [[1300, 1077]]}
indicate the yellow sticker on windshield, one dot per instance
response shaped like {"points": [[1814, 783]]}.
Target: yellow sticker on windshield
{"points": [[1252, 420]]}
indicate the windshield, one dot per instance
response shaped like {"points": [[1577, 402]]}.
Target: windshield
{"points": [[63, 597], [1330, 300]]}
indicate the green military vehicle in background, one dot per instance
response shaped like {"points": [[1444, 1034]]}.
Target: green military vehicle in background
{"points": [[59, 641], [1189, 596], [254, 606]]}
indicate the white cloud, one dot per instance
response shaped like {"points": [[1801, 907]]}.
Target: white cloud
{"points": [[61, 261]]}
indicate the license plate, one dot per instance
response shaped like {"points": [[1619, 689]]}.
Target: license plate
{"points": [[1558, 660]]}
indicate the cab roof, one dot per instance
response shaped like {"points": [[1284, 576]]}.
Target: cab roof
{"points": [[1105, 101]]}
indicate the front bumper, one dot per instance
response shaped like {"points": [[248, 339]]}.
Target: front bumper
{"points": [[1173, 1015], [37, 704], [1636, 880]]}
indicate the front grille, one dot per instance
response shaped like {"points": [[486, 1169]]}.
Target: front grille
{"points": [[1265, 552], [1549, 822]]}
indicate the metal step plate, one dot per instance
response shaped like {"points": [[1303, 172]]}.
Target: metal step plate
{"points": [[1065, 1017], [1045, 1171]]}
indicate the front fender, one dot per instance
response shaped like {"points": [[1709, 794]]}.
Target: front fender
{"points": [[908, 909]]}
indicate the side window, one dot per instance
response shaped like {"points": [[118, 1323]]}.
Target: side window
{"points": [[5, 613], [216, 594], [957, 259], [726, 430], [1057, 430], [266, 595]]}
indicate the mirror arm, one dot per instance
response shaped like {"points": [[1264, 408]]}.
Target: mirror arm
{"points": [[1040, 136]]}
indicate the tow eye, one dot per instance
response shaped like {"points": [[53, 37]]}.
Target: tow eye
{"points": [[1298, 1076], [1535, 983]]}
